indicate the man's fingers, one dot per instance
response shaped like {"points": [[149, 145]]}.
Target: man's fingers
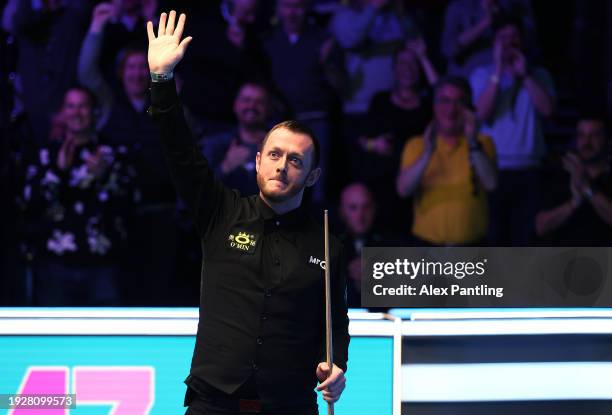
{"points": [[161, 30], [184, 43], [324, 384], [332, 380], [324, 367], [178, 32], [150, 31], [335, 388], [170, 25], [331, 398]]}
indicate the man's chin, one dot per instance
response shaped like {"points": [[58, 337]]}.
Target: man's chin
{"points": [[279, 196]]}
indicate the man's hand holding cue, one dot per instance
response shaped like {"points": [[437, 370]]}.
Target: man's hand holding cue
{"points": [[332, 386]]}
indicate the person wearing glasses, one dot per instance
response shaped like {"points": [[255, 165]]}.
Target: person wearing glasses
{"points": [[448, 171]]}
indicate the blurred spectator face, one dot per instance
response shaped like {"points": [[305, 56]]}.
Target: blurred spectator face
{"points": [[291, 14], [357, 209], [591, 140], [407, 69], [245, 11], [135, 73], [51, 4], [448, 109], [130, 6], [509, 37], [77, 111], [251, 106]]}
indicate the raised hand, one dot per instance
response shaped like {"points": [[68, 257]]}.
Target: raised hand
{"points": [[498, 51], [519, 64], [490, 7], [418, 46], [429, 139], [379, 4], [167, 49], [470, 126], [102, 13]]}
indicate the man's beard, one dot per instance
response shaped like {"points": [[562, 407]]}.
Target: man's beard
{"points": [[279, 198], [593, 158]]}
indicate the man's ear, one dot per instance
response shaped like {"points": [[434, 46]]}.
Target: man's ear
{"points": [[313, 176], [257, 161]]}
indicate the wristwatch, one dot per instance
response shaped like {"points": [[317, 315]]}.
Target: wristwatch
{"points": [[161, 77]]}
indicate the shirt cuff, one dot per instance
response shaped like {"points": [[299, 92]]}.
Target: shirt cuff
{"points": [[163, 96]]}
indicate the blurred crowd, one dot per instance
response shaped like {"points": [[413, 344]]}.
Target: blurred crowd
{"points": [[441, 123]]}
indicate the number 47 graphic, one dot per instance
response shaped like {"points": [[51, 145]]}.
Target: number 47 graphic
{"points": [[129, 389]]}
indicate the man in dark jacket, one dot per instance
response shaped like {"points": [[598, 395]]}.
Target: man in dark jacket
{"points": [[261, 337]]}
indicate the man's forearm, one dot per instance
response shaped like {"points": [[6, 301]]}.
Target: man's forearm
{"points": [[603, 206], [410, 177], [543, 102], [89, 73], [472, 34], [430, 71], [550, 220], [485, 106], [485, 170], [192, 175]]}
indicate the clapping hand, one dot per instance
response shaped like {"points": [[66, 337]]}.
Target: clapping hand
{"points": [[578, 179], [236, 156]]}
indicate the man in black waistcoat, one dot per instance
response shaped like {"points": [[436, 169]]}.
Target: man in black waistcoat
{"points": [[261, 336]]}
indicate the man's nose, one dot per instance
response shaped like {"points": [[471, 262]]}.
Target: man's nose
{"points": [[281, 165]]}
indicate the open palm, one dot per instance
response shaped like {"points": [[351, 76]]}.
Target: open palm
{"points": [[167, 49]]}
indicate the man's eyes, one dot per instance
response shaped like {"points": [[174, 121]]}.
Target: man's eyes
{"points": [[294, 160]]}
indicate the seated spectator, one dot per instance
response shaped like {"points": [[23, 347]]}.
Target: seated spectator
{"points": [[466, 40], [578, 206], [512, 97], [448, 171], [226, 55], [232, 154], [369, 31], [76, 199], [393, 117], [49, 35], [358, 214], [305, 67]]}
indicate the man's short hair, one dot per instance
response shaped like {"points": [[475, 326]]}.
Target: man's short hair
{"points": [[257, 84], [594, 115], [124, 54], [459, 83], [93, 100], [298, 127]]}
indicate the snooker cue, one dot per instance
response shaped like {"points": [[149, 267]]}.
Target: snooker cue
{"points": [[328, 322]]}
